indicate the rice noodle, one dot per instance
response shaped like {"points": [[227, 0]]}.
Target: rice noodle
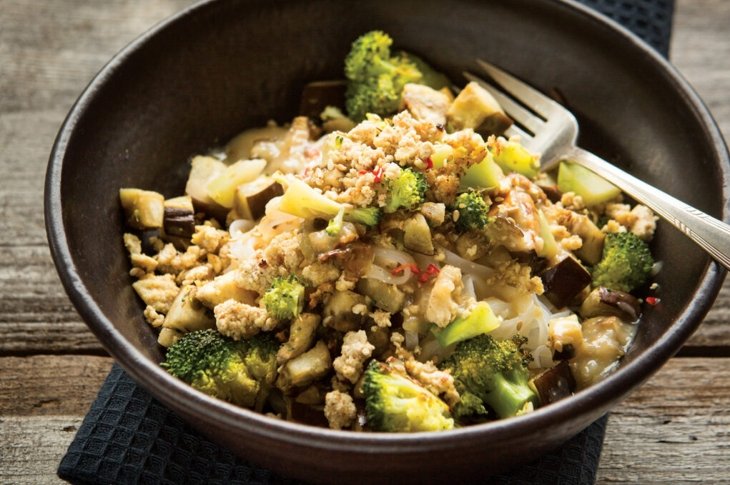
{"points": [[527, 316], [390, 258], [379, 273], [240, 226]]}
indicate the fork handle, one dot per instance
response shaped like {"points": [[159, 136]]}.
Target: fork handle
{"points": [[710, 234]]}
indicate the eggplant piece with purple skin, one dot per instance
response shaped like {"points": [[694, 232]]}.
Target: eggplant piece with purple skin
{"points": [[604, 302], [251, 198], [564, 281], [554, 384], [179, 218]]}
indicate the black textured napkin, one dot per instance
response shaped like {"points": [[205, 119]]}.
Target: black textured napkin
{"points": [[129, 437]]}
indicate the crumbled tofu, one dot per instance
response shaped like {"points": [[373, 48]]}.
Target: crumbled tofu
{"points": [[355, 351], [645, 223], [239, 320], [144, 262], [153, 317], [209, 238], [339, 409], [132, 243], [435, 213], [442, 306], [437, 381], [223, 288], [283, 250], [157, 291], [198, 274], [571, 201], [425, 103], [381, 318], [319, 273], [169, 260]]}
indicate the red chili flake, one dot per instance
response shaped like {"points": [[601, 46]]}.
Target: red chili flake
{"points": [[652, 300], [430, 271], [378, 173], [429, 163], [362, 172], [402, 267]]}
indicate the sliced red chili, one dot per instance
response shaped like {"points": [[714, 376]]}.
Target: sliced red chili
{"points": [[652, 300]]}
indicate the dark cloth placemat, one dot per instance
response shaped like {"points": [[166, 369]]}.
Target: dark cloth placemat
{"points": [[649, 19], [129, 437]]}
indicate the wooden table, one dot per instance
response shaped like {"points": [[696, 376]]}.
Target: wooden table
{"points": [[676, 428]]}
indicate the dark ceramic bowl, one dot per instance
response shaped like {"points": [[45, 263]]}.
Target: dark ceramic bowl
{"points": [[223, 66]]}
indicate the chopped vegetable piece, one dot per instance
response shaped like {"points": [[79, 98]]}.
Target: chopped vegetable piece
{"points": [[549, 248], [554, 384], [591, 187], [514, 157], [406, 191], [564, 281], [485, 174], [470, 211], [251, 197], [395, 403], [284, 300], [144, 209], [222, 189], [626, 262], [475, 108], [179, 217], [481, 320]]}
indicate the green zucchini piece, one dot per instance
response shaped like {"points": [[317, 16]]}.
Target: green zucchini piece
{"points": [[550, 247], [513, 157], [591, 187], [485, 174], [481, 320]]}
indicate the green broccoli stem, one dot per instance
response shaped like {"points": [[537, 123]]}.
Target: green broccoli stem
{"points": [[507, 397]]}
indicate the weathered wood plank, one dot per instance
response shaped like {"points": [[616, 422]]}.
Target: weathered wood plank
{"points": [[50, 384], [32, 447], [674, 429]]}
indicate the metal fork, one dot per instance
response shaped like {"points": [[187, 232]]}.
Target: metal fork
{"points": [[552, 130]]}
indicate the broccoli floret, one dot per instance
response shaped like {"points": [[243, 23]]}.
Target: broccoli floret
{"points": [[241, 372], [472, 211], [368, 216], [375, 76], [406, 191], [626, 262], [284, 299], [493, 371], [334, 226], [395, 403]]}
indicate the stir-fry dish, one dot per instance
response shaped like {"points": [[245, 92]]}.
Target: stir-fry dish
{"points": [[389, 261]]}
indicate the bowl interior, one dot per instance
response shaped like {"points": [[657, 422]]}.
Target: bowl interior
{"points": [[226, 66]]}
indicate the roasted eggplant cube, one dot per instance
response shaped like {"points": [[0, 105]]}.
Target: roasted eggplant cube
{"points": [[554, 384], [564, 281], [179, 217], [144, 209], [251, 198]]}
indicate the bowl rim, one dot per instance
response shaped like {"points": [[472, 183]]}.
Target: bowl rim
{"points": [[152, 377]]}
